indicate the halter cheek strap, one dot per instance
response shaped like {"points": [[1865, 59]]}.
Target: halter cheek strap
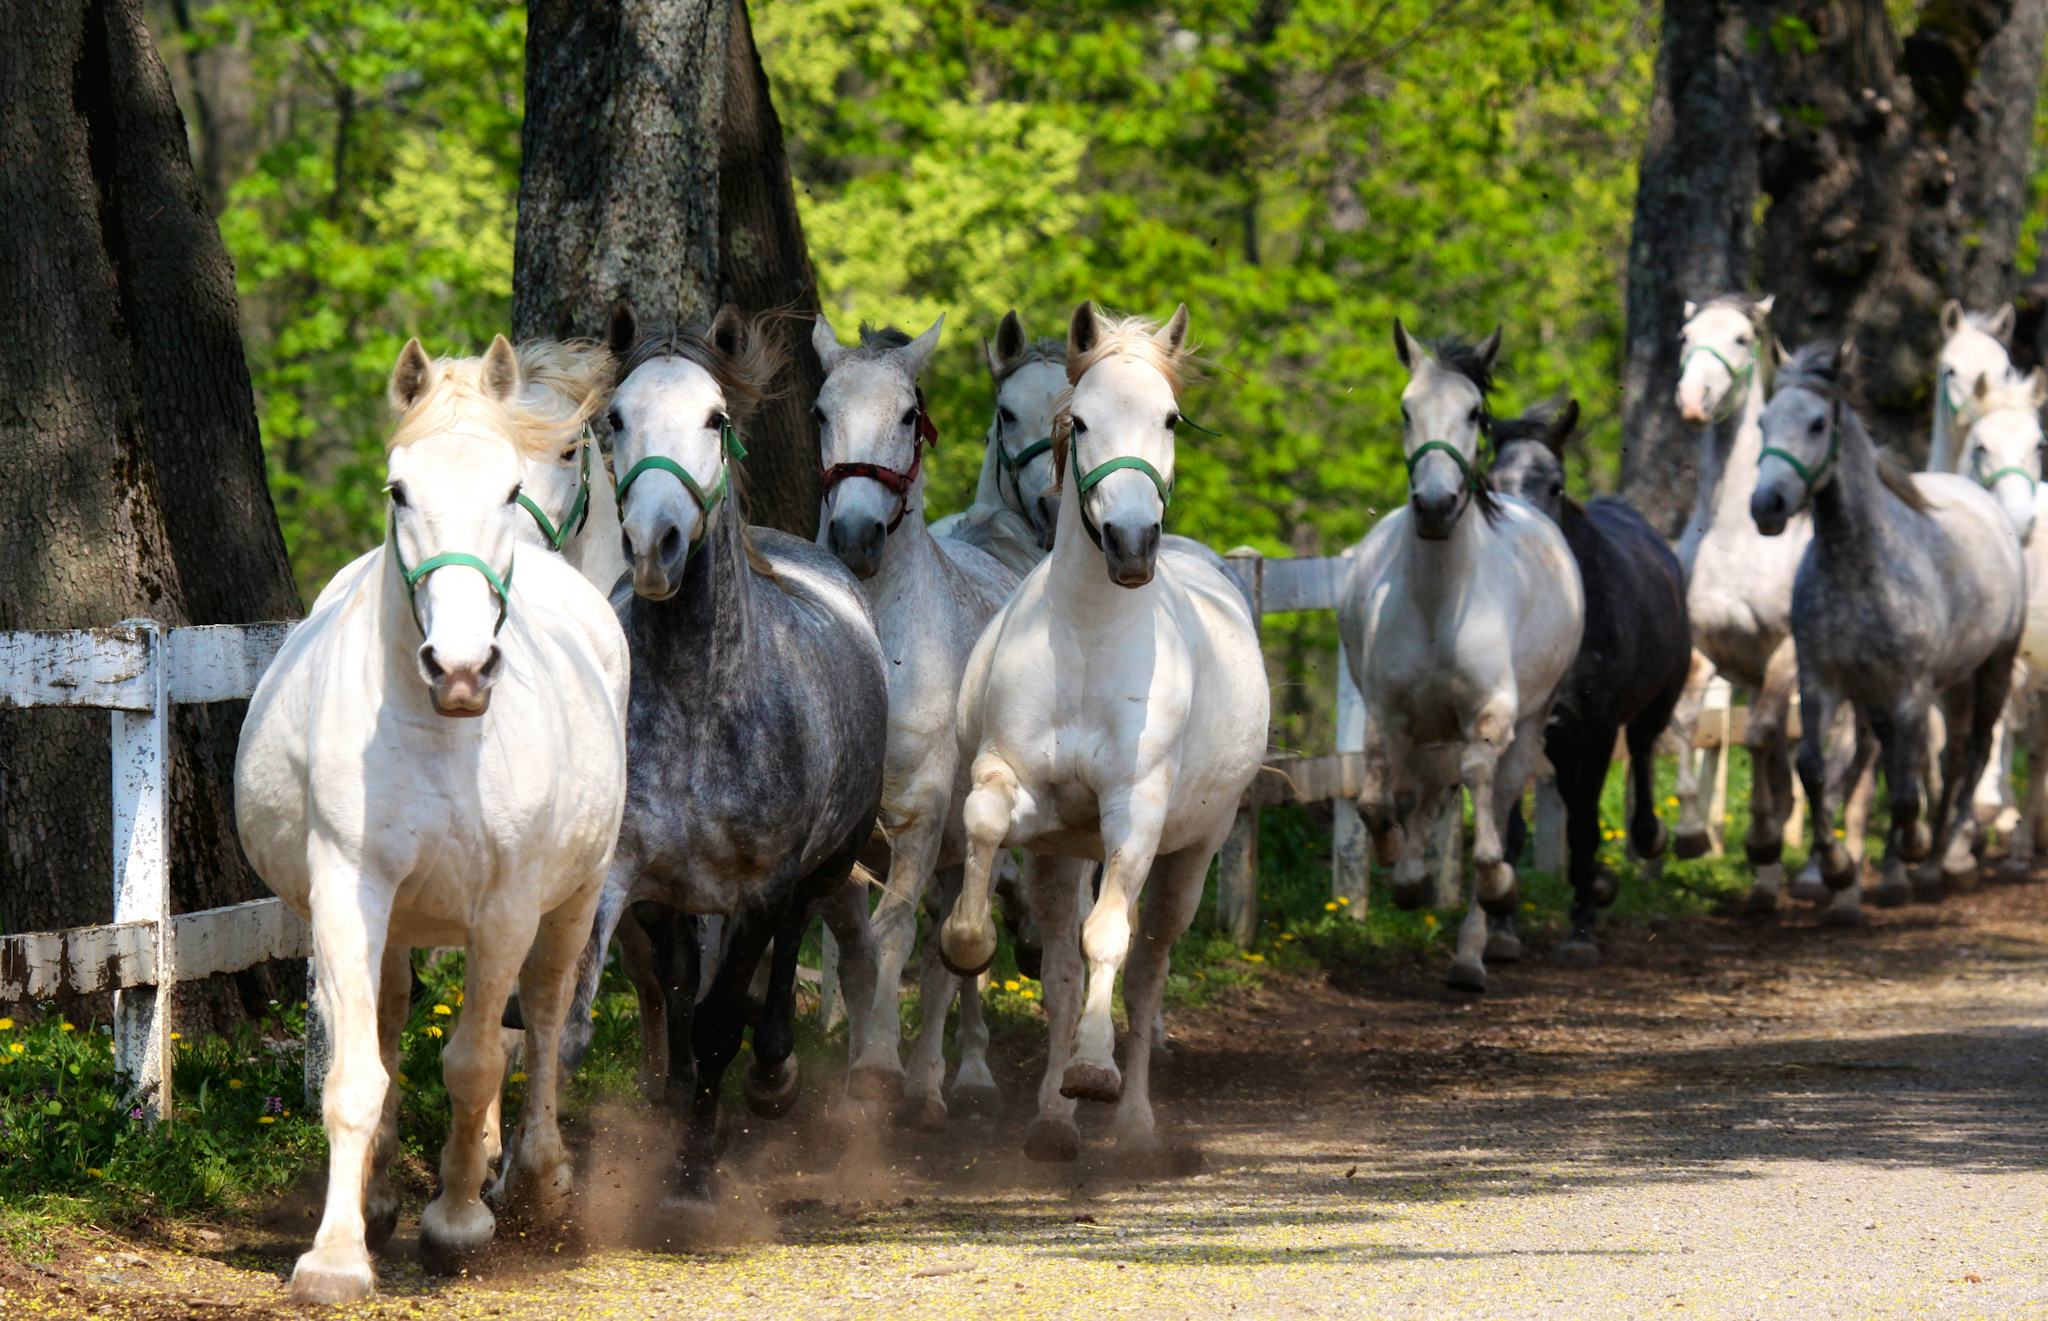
{"points": [[1732, 401], [579, 508], [706, 500], [1820, 470], [898, 483], [1092, 478], [413, 577], [1005, 463]]}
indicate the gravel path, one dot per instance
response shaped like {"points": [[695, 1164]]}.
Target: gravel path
{"points": [[1727, 1120]]}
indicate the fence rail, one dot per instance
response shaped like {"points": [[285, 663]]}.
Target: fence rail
{"points": [[139, 671]]}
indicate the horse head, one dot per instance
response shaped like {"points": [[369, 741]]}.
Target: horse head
{"points": [[1445, 426], [1029, 376], [872, 432]]}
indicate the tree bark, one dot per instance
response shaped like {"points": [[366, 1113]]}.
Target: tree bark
{"points": [[1864, 229], [1691, 238], [1993, 151], [136, 479], [654, 169]]}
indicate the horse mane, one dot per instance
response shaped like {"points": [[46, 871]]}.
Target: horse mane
{"points": [[748, 380], [1049, 349], [1817, 368], [578, 371], [877, 340], [1129, 336]]}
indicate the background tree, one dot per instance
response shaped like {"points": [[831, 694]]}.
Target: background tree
{"points": [[135, 474], [654, 169]]}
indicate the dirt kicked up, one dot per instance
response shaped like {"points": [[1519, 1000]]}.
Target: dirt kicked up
{"points": [[1726, 1120]]}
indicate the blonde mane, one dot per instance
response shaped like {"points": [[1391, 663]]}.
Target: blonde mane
{"points": [[1130, 337], [577, 372]]}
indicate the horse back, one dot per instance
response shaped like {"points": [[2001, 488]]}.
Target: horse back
{"points": [[1637, 644]]}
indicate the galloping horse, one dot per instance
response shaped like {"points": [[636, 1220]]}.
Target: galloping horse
{"points": [[1114, 716], [1632, 664], [756, 728], [931, 597], [1912, 589], [438, 757], [1973, 351], [1015, 506], [1460, 620]]}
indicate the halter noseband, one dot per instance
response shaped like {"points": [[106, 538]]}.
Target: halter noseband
{"points": [[706, 500], [1820, 470], [898, 483], [413, 577], [1091, 478], [1731, 403], [579, 508], [1015, 466]]}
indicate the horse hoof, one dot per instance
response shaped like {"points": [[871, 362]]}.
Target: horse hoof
{"points": [[1962, 880], [328, 1276], [977, 1102], [874, 1082], [1763, 855], [771, 1097], [1503, 947], [379, 1224], [1606, 889], [1928, 892], [1760, 903], [1500, 894], [1467, 975], [967, 953], [1690, 844], [1916, 841], [926, 1114], [1410, 895], [1086, 1080], [1660, 839], [1808, 887], [1578, 953], [1892, 893], [1842, 916], [1054, 1141]]}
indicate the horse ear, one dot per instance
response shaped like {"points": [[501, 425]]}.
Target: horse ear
{"points": [[622, 332], [1765, 304], [2001, 324], [1779, 354], [1010, 339], [1982, 389], [410, 376], [1489, 348], [1175, 332], [1692, 309], [2037, 387], [826, 343], [1404, 345], [729, 331], [1081, 330], [917, 354], [1951, 318], [1562, 426], [501, 369]]}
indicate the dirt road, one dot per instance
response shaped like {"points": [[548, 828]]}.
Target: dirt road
{"points": [[1727, 1120]]}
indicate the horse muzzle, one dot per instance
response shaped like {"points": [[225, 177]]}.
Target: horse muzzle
{"points": [[1771, 510], [460, 689], [857, 542], [658, 559], [1131, 552], [1435, 514]]}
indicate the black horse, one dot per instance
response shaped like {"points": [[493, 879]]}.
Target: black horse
{"points": [[1632, 662]]}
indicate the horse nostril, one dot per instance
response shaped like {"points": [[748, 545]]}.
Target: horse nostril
{"points": [[432, 663], [671, 542], [490, 664], [625, 544]]}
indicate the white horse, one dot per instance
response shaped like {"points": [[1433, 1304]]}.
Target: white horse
{"points": [[1462, 616], [1115, 716], [1973, 349], [1015, 506], [368, 804], [931, 597]]}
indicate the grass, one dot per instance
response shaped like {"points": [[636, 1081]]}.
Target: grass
{"points": [[73, 1151]]}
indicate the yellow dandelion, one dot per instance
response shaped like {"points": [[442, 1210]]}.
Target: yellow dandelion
{"points": [[15, 1048], [442, 1011], [234, 1084], [434, 1030], [1010, 984], [1344, 900], [1286, 936], [1249, 957], [1671, 801], [1330, 907], [177, 1036], [66, 1027], [1030, 994], [287, 1114], [517, 1077], [458, 997], [6, 1025], [266, 1119], [1841, 833], [95, 1172], [1429, 920], [1528, 906]]}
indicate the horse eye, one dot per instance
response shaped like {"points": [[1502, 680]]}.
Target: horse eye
{"points": [[1473, 416], [1743, 340], [1080, 427], [1813, 427], [1172, 421], [568, 454], [397, 494], [1009, 418], [818, 415], [613, 420], [910, 417], [716, 422], [514, 497]]}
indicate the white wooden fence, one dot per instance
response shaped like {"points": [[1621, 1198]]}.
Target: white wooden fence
{"points": [[139, 671]]}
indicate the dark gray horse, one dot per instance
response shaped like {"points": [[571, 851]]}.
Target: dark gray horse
{"points": [[1913, 589], [1632, 664], [754, 733]]}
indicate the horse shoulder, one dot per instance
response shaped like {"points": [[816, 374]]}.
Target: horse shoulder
{"points": [[578, 618]]}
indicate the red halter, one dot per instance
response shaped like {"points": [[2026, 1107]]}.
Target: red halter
{"points": [[897, 482]]}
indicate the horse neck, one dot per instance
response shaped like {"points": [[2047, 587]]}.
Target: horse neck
{"points": [[906, 551], [1079, 584], [1846, 517], [1943, 453], [1455, 559], [594, 550], [710, 618], [1729, 453]]}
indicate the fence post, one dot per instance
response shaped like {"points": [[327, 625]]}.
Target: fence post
{"points": [[1350, 868], [142, 877], [1237, 866]]}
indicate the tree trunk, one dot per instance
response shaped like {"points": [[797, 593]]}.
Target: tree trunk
{"points": [[1691, 238], [1993, 150], [654, 169], [1863, 235], [136, 480]]}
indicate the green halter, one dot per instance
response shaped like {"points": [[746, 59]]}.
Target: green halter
{"points": [[579, 508], [1015, 466], [1731, 403], [1989, 480], [1427, 447], [1088, 480], [413, 577], [706, 500], [1820, 470]]}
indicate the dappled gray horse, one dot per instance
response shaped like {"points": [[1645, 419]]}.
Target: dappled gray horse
{"points": [[1911, 590]]}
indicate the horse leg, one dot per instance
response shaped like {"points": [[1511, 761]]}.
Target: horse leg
{"points": [[876, 1073], [1058, 890], [636, 960], [1905, 750], [457, 1223], [1411, 887], [1982, 704], [967, 938], [769, 1085], [974, 1086], [1511, 778], [1771, 777], [674, 958], [349, 926], [1581, 764], [576, 1031], [394, 1004], [1380, 795], [2030, 839], [1691, 840], [1172, 895], [1129, 842], [536, 1173], [716, 1029], [1844, 746], [923, 1084]]}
